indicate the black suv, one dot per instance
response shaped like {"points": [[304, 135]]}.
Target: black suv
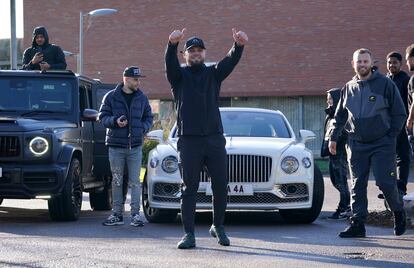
{"points": [[51, 146]]}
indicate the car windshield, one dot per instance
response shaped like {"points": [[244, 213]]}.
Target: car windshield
{"points": [[254, 124], [29, 94]]}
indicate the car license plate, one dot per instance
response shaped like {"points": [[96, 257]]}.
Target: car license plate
{"points": [[234, 189]]}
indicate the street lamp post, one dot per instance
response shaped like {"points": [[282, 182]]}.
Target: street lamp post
{"points": [[93, 13]]}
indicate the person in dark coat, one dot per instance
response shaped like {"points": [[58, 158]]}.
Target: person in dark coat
{"points": [[196, 90], [401, 79], [338, 165], [127, 116], [372, 113], [42, 55]]}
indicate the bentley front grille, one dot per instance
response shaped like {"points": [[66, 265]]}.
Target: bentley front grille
{"points": [[245, 169]]}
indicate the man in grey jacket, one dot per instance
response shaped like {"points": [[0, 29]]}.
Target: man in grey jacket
{"points": [[372, 112]]}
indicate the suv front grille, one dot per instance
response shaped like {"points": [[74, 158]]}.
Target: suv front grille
{"points": [[9, 146]]}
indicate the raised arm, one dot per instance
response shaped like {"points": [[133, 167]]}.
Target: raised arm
{"points": [[226, 65], [172, 65]]}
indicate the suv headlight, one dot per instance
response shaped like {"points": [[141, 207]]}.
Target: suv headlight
{"points": [[170, 164], [38, 146], [290, 164]]}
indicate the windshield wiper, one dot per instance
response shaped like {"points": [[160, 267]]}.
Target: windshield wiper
{"points": [[39, 112]]}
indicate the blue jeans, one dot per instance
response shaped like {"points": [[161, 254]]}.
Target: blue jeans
{"points": [[117, 159]]}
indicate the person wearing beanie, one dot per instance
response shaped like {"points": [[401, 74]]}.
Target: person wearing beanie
{"points": [[42, 55]]}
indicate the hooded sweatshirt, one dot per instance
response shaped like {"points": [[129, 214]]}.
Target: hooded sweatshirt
{"points": [[329, 125], [52, 54], [369, 109]]}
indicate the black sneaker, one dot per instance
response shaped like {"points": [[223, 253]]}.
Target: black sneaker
{"points": [[218, 232], [400, 222], [355, 229], [340, 214], [113, 220], [187, 242], [136, 221]]}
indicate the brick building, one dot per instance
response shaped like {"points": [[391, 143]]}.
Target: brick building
{"points": [[297, 49]]}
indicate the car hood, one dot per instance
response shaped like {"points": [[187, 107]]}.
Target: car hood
{"points": [[13, 124], [266, 146]]}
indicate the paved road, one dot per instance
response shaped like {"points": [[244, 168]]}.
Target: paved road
{"points": [[29, 239]]}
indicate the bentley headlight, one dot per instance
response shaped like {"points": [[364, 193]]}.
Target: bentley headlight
{"points": [[306, 162], [170, 164], [290, 164], [38, 146]]}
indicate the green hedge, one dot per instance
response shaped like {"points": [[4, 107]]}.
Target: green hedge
{"points": [[146, 148]]}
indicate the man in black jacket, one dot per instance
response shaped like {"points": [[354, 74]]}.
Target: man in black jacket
{"points": [[372, 112], [400, 78], [42, 55], [126, 113], [196, 90]]}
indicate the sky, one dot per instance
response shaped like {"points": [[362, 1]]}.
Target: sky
{"points": [[5, 19]]}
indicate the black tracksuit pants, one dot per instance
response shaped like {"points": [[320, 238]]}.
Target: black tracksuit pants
{"points": [[403, 160], [338, 171], [196, 152], [380, 155]]}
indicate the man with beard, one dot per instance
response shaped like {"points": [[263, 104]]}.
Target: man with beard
{"points": [[126, 113], [372, 112], [42, 55], [196, 90], [400, 78]]}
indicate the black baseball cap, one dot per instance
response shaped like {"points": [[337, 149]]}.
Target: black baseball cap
{"points": [[194, 42], [133, 71]]}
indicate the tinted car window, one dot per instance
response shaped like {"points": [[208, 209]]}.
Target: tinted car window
{"points": [[28, 94]]}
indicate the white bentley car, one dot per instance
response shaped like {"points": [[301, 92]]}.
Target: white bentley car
{"points": [[268, 168]]}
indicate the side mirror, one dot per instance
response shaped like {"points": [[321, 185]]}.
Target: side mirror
{"points": [[156, 135], [89, 115], [306, 135]]}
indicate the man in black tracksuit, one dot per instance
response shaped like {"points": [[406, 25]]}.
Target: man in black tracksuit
{"points": [[373, 114], [196, 90], [400, 78], [42, 55], [338, 165]]}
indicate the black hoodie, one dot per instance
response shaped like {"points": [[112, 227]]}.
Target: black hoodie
{"points": [[328, 126], [196, 91], [52, 54]]}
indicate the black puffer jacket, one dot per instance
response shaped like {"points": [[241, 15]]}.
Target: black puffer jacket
{"points": [[328, 126], [139, 117], [52, 54]]}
